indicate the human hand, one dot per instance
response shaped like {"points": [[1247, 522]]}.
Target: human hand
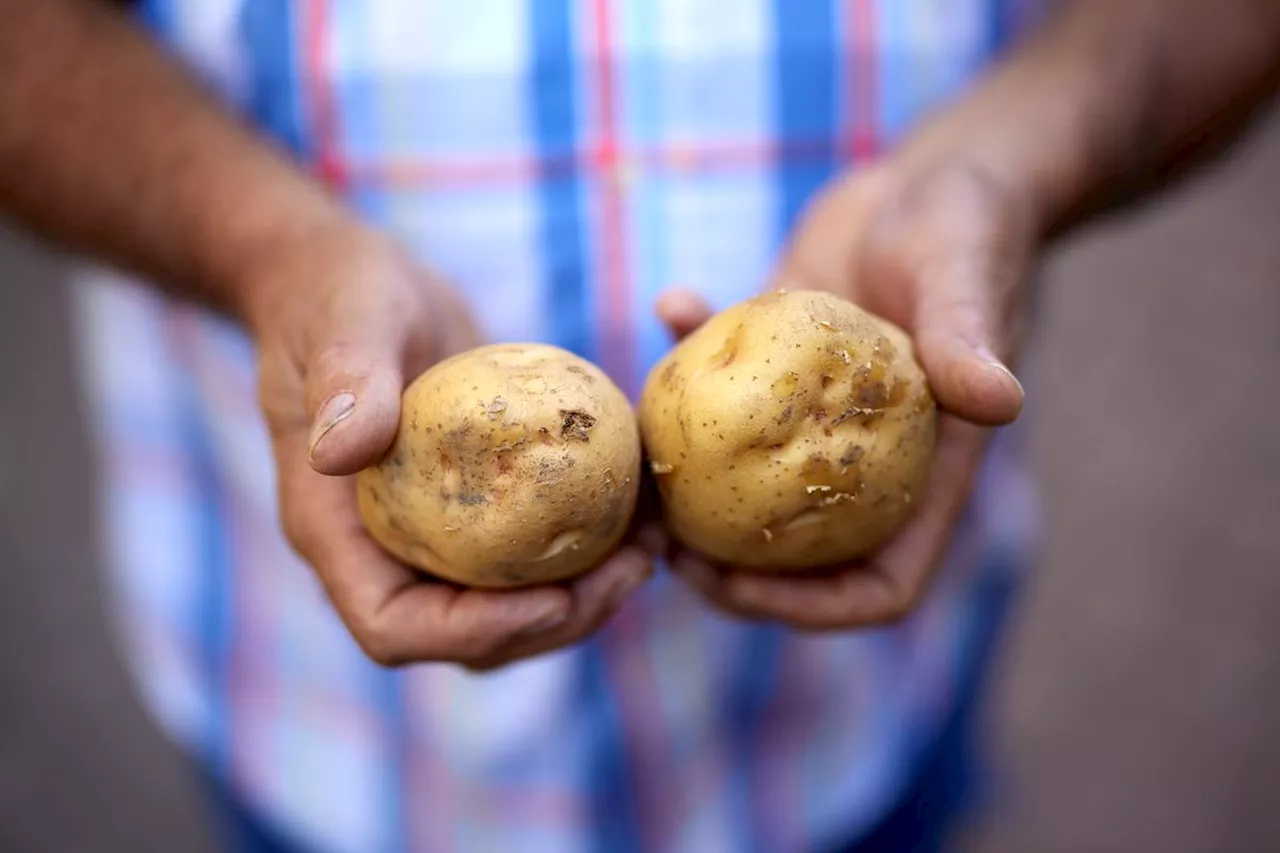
{"points": [[342, 319], [943, 251]]}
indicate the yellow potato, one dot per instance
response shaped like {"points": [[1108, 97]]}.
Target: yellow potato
{"points": [[791, 431], [515, 464]]}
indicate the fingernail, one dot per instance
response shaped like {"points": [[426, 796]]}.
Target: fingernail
{"points": [[552, 617], [996, 364], [1007, 372], [335, 410]]}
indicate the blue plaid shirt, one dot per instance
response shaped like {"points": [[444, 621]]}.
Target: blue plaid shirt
{"points": [[562, 162]]}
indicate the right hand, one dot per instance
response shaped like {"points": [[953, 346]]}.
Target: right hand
{"points": [[342, 319]]}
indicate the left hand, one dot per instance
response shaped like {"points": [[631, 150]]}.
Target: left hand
{"points": [[943, 251]]}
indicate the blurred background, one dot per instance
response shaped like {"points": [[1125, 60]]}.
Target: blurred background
{"points": [[1137, 702]]}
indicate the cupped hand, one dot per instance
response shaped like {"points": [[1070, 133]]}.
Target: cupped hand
{"points": [[343, 319], [943, 251]]}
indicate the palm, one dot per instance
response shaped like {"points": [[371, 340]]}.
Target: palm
{"points": [[943, 258]]}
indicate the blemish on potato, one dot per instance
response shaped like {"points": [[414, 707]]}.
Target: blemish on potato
{"points": [[804, 518], [823, 324], [532, 383], [729, 352], [586, 375], [785, 386], [567, 540]]}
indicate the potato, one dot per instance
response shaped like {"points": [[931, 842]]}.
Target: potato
{"points": [[514, 465], [792, 431]]}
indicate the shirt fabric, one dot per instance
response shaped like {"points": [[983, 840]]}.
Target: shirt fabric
{"points": [[561, 163]]}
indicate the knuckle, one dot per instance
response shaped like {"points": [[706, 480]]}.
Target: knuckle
{"points": [[337, 361], [484, 665], [279, 381], [483, 647], [886, 602], [466, 639], [380, 648], [334, 355], [818, 627], [378, 644], [898, 603]]}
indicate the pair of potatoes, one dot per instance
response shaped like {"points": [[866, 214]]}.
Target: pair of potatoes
{"points": [[789, 432]]}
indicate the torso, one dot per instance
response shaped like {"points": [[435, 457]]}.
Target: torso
{"points": [[562, 163]]}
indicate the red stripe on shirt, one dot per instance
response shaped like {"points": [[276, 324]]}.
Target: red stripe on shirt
{"points": [[460, 171], [616, 342], [315, 32], [863, 81]]}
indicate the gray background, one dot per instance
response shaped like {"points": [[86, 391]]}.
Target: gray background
{"points": [[1138, 698]]}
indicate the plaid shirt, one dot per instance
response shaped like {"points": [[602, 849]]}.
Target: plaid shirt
{"points": [[562, 162]]}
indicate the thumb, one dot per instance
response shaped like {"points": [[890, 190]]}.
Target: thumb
{"points": [[353, 387], [955, 323], [682, 311]]}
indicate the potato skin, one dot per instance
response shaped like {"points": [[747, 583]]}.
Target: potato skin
{"points": [[792, 431], [514, 465]]}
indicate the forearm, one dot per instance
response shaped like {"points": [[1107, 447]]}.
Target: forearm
{"points": [[1112, 99], [109, 149]]}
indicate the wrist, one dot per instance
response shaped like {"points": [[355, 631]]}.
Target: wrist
{"points": [[253, 264], [1055, 124]]}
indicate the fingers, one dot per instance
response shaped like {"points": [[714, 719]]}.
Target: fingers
{"points": [[598, 594], [682, 311], [395, 615], [596, 597], [880, 591], [911, 558], [853, 598], [398, 616]]}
